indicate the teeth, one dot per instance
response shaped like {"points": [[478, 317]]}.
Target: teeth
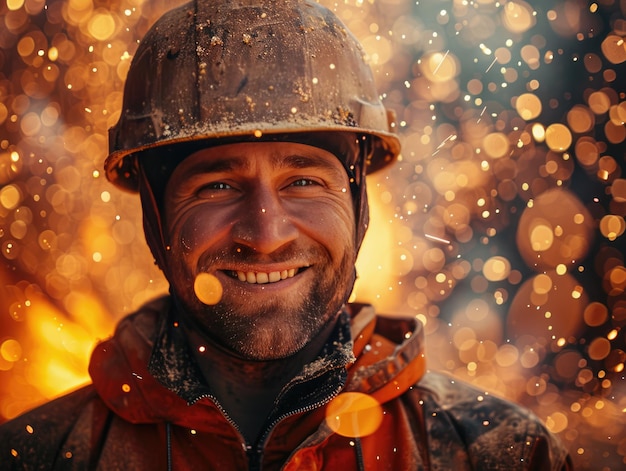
{"points": [[262, 278]]}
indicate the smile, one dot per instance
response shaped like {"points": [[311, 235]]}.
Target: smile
{"points": [[265, 277]]}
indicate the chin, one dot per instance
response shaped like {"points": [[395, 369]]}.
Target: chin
{"points": [[273, 337], [267, 352]]}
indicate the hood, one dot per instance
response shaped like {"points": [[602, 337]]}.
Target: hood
{"points": [[388, 359], [389, 351], [119, 369]]}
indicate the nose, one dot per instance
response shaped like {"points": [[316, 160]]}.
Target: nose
{"points": [[264, 225]]}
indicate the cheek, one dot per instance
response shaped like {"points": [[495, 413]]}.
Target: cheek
{"points": [[194, 230], [332, 225]]}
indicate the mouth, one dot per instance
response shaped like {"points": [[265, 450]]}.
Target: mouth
{"points": [[257, 277]]}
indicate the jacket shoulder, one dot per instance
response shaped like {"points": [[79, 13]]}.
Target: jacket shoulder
{"points": [[35, 440], [497, 433]]}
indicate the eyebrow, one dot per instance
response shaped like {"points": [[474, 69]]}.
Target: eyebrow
{"points": [[295, 161], [220, 164], [300, 161]]}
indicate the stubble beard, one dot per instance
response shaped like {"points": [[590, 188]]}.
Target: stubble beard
{"points": [[273, 330]]}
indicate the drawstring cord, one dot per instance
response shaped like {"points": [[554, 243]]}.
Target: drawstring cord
{"points": [[358, 450], [168, 444]]}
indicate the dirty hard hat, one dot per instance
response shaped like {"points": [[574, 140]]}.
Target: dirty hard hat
{"points": [[213, 71]]}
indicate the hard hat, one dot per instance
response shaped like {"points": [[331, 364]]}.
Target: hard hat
{"points": [[217, 70]]}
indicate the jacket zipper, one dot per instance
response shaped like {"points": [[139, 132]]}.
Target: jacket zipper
{"points": [[255, 454], [244, 443], [255, 465]]}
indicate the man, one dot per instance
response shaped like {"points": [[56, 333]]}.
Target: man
{"points": [[248, 129]]}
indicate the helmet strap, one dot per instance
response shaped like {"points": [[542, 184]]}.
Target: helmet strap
{"points": [[152, 224], [359, 190]]}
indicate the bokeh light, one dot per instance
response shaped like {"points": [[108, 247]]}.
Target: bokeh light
{"points": [[208, 288], [354, 414], [501, 228]]}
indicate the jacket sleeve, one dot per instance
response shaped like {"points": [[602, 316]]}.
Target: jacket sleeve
{"points": [[491, 432], [37, 439]]}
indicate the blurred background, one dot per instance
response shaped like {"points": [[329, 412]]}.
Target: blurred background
{"points": [[501, 229]]}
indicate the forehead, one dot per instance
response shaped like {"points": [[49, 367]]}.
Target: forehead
{"points": [[250, 157]]}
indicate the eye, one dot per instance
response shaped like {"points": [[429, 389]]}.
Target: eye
{"points": [[212, 190], [303, 182]]}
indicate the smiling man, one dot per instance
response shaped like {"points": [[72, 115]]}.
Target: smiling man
{"points": [[247, 129], [249, 214]]}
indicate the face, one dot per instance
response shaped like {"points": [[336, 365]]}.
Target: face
{"points": [[273, 223]]}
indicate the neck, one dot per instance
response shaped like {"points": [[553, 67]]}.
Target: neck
{"points": [[247, 389]]}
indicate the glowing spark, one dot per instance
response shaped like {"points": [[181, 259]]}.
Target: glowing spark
{"points": [[441, 62], [491, 65], [451, 137], [481, 114], [436, 239]]}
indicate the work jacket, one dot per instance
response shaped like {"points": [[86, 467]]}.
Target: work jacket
{"points": [[149, 408]]}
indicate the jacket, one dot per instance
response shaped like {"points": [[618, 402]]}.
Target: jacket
{"points": [[148, 408]]}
